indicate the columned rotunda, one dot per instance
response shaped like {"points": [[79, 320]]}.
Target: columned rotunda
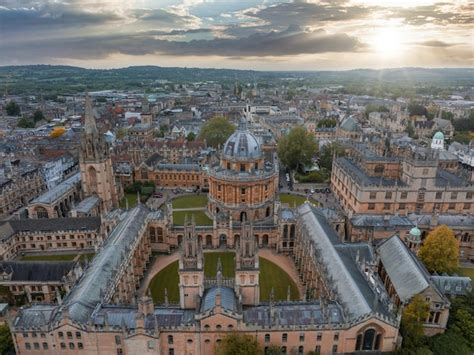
{"points": [[244, 184]]}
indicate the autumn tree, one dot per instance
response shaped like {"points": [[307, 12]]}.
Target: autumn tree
{"points": [[440, 250], [238, 344], [216, 131], [296, 149], [327, 152], [413, 317]]}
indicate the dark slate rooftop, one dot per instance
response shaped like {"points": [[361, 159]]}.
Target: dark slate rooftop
{"points": [[35, 316], [380, 221], [293, 314], [46, 271], [49, 225], [57, 191], [453, 285], [228, 299], [97, 279], [362, 178]]}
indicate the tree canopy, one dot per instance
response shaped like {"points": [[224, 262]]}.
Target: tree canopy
{"points": [[417, 110], [327, 152], [413, 317], [13, 109], [440, 250], [327, 123], [6, 341], [191, 136], [216, 131], [38, 116], [238, 344], [296, 149]]}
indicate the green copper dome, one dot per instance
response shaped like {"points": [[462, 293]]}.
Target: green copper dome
{"points": [[438, 135], [415, 232]]}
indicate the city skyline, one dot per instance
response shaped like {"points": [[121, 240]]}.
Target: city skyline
{"points": [[261, 35]]}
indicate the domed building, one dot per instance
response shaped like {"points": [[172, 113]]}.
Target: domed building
{"points": [[244, 183], [438, 141]]}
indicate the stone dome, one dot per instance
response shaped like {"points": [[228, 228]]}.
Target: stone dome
{"points": [[438, 135], [242, 144]]}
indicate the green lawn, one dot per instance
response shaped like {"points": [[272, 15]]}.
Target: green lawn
{"points": [[132, 200], [201, 218], [56, 257], [467, 271], [227, 261], [292, 199], [166, 278], [271, 276], [190, 201]]}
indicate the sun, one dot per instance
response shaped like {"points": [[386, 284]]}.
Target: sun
{"points": [[387, 42]]}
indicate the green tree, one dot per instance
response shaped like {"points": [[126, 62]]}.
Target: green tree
{"points": [[413, 318], [25, 123], [238, 344], [410, 130], [13, 109], [296, 149], [417, 110], [216, 131], [446, 115], [440, 251], [327, 152], [6, 340], [450, 342], [191, 136], [38, 116], [327, 123]]}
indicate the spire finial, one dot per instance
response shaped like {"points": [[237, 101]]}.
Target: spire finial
{"points": [[89, 120]]}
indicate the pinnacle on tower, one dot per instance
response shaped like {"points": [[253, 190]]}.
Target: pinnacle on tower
{"points": [[89, 120]]}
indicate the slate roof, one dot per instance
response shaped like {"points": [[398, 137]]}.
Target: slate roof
{"points": [[35, 316], [380, 222], [97, 279], [351, 286], [51, 195], [228, 299], [49, 225], [36, 271], [408, 276], [453, 285], [86, 205]]}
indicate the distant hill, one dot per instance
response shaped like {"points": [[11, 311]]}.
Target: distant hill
{"points": [[55, 79]]}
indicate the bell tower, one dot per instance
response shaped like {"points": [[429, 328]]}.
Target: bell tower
{"points": [[97, 174], [191, 268], [247, 269]]}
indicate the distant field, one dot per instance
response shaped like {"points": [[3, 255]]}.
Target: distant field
{"points": [[56, 257], [190, 201]]}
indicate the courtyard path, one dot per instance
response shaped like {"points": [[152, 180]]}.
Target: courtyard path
{"points": [[286, 263], [159, 263]]}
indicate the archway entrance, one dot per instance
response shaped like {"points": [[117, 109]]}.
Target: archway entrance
{"points": [[222, 240]]}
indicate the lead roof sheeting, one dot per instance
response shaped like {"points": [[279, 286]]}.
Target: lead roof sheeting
{"points": [[51, 195], [407, 278]]}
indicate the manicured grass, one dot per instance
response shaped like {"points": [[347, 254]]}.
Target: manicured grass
{"points": [[292, 199], [56, 257], [190, 201], [200, 217], [166, 278], [272, 276], [132, 200], [227, 261], [467, 271]]}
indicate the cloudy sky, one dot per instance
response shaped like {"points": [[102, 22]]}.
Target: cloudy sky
{"points": [[253, 34]]}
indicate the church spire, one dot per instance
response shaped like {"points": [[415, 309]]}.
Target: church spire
{"points": [[89, 120]]}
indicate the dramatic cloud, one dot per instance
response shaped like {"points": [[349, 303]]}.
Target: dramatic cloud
{"points": [[353, 32], [292, 41]]}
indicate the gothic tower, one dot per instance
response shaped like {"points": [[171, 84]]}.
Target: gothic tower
{"points": [[191, 268], [96, 166], [247, 267]]}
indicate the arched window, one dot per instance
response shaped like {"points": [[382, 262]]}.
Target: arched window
{"points": [[267, 212], [283, 350], [243, 216], [285, 231], [301, 350], [41, 212], [209, 240], [180, 239], [152, 235], [369, 340], [170, 339], [159, 234], [292, 231], [92, 175]]}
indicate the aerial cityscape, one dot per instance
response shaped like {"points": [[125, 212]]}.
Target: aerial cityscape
{"points": [[236, 177]]}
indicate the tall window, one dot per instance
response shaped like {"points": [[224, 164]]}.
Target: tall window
{"points": [[92, 174]]}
